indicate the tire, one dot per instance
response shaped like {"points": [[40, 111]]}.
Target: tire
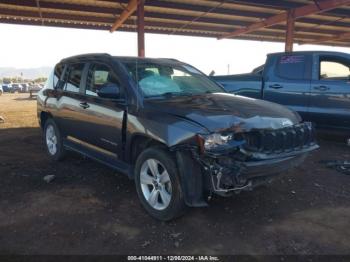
{"points": [[53, 141], [162, 200]]}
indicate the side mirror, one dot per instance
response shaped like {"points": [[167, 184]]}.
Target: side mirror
{"points": [[109, 90]]}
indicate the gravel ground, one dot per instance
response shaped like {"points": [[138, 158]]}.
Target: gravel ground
{"points": [[88, 209]]}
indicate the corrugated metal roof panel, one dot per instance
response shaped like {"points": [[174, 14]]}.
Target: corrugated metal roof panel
{"points": [[187, 17]]}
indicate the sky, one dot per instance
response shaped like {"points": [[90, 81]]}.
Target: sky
{"points": [[36, 46]]}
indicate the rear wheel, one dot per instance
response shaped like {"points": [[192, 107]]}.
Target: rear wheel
{"points": [[158, 184], [53, 140]]}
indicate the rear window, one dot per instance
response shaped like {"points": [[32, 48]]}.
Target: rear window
{"points": [[292, 67]]}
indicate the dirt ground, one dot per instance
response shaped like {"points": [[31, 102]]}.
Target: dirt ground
{"points": [[88, 209]]}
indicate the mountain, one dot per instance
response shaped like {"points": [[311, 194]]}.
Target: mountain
{"points": [[28, 73]]}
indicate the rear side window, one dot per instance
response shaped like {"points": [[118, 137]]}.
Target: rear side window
{"points": [[292, 67], [57, 75], [49, 84], [74, 77]]}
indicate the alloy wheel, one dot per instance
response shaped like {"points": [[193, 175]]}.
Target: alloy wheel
{"points": [[155, 184], [51, 140]]}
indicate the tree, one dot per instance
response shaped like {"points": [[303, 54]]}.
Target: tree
{"points": [[40, 80]]}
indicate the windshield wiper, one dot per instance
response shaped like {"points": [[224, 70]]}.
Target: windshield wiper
{"points": [[170, 94]]}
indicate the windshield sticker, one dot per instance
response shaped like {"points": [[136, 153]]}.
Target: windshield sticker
{"points": [[292, 59]]}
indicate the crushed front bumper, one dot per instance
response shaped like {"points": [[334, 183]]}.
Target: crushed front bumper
{"points": [[264, 154]]}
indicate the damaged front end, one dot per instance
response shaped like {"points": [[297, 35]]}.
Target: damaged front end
{"points": [[250, 154]]}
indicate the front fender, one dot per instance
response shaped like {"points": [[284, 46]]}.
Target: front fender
{"points": [[166, 129]]}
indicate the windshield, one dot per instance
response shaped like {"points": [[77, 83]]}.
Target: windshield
{"points": [[160, 79]]}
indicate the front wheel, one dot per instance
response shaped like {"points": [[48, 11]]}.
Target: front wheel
{"points": [[158, 185]]}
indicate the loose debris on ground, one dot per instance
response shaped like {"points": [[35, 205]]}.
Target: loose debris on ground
{"points": [[49, 178], [338, 165]]}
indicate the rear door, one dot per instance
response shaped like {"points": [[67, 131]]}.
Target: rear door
{"points": [[102, 118], [287, 81], [70, 98], [330, 89]]}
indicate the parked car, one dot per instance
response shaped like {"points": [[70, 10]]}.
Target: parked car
{"points": [[25, 87], [7, 87], [166, 125], [16, 88], [315, 84], [34, 89], [1, 90]]}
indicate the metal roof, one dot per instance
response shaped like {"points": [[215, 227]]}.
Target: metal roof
{"points": [[207, 18]]}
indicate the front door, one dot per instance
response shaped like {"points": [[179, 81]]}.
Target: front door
{"points": [[102, 120], [330, 93]]}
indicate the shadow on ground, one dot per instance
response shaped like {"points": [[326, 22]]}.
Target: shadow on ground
{"points": [[24, 98]]}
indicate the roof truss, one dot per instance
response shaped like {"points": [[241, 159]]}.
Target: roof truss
{"points": [[331, 38], [314, 8], [213, 18], [129, 10]]}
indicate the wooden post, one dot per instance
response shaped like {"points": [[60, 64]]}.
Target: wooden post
{"points": [[141, 28], [290, 32]]}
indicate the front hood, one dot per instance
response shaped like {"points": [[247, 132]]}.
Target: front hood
{"points": [[221, 111]]}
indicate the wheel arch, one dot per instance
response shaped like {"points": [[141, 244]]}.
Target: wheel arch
{"points": [[191, 176], [138, 143], [44, 116]]}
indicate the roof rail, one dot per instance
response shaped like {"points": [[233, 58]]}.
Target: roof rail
{"points": [[88, 55]]}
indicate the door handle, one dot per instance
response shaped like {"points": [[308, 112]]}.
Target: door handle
{"points": [[276, 86], [84, 105], [321, 88]]}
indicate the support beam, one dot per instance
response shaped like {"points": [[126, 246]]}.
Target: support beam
{"points": [[314, 8], [130, 9], [290, 31], [39, 10], [141, 28], [330, 38]]}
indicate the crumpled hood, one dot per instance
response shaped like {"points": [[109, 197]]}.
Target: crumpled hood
{"points": [[222, 111]]}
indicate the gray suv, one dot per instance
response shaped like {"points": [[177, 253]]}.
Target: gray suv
{"points": [[169, 128]]}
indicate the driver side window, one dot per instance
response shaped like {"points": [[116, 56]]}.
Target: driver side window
{"points": [[100, 76]]}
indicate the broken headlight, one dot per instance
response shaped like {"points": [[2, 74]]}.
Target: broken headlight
{"points": [[214, 140], [218, 143]]}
